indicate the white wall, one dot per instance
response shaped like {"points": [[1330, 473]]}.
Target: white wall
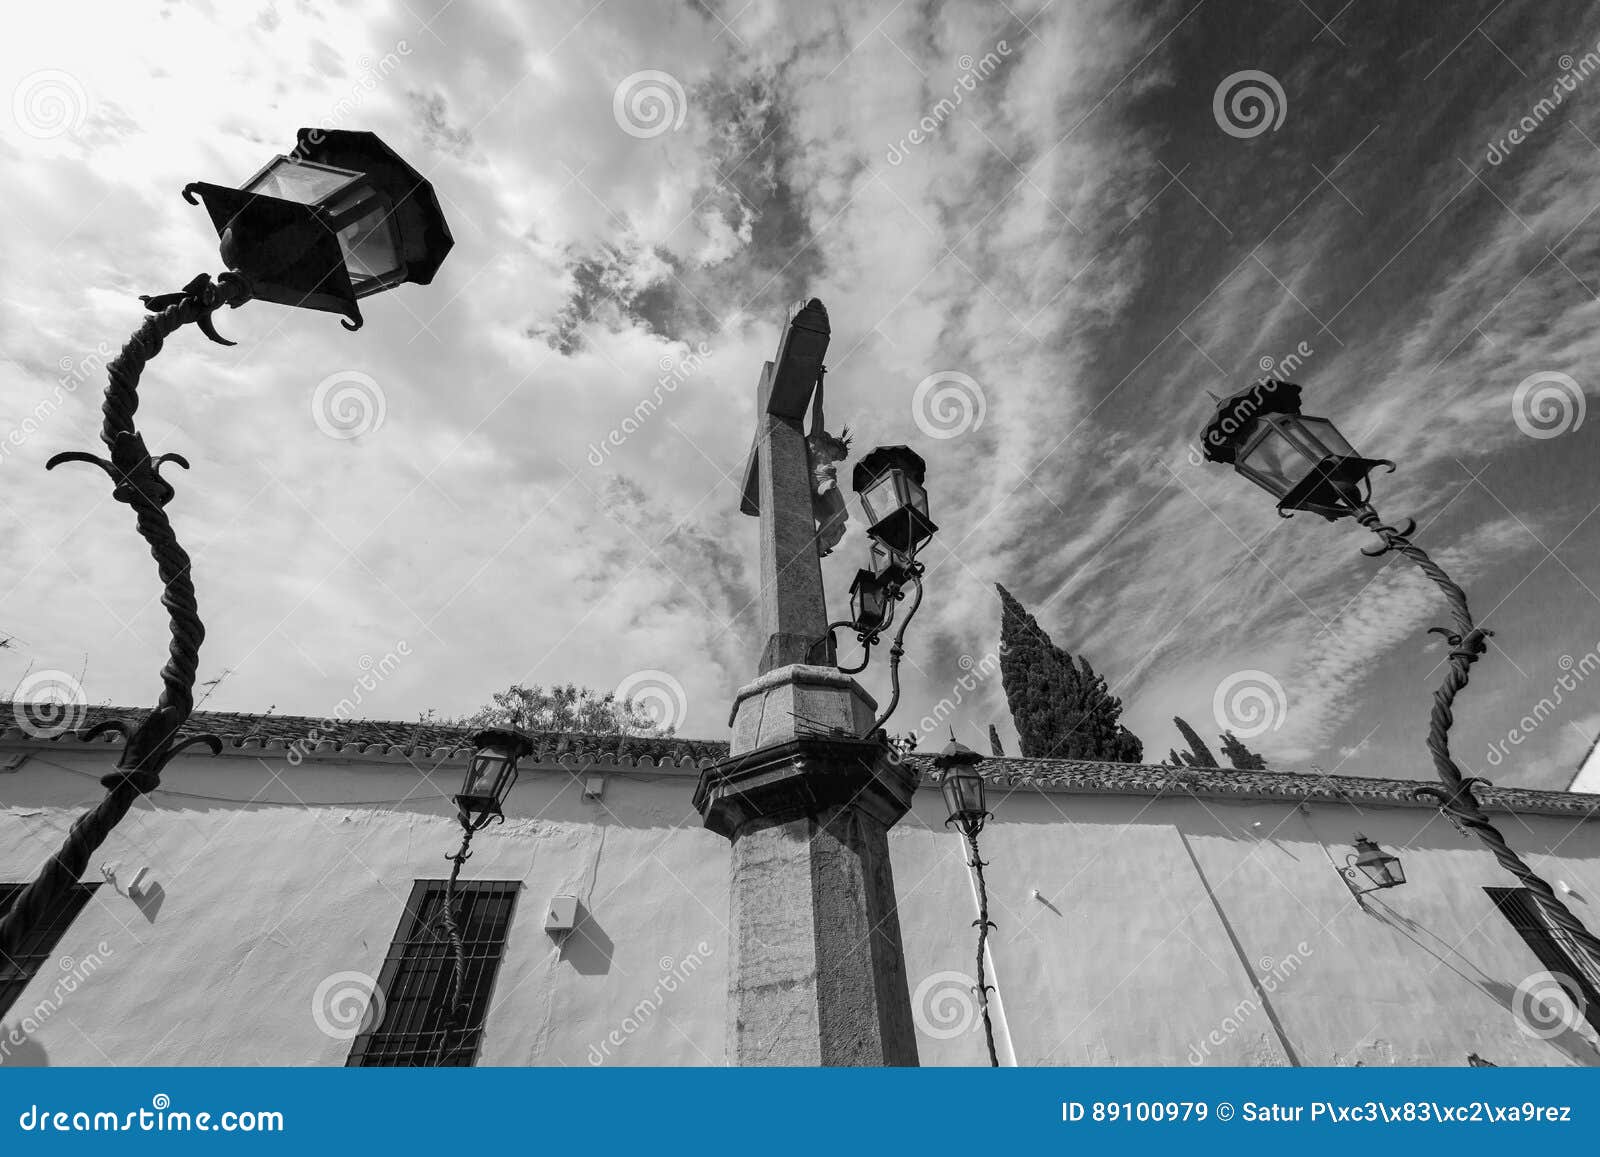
{"points": [[274, 878]]}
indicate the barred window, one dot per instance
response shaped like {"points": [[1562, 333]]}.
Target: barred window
{"points": [[414, 985], [1555, 948], [40, 943]]}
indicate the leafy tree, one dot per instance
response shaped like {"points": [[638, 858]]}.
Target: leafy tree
{"points": [[1062, 708], [1239, 755], [1198, 755], [565, 707]]}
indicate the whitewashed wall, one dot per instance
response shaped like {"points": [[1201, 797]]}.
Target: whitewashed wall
{"points": [[1149, 913]]}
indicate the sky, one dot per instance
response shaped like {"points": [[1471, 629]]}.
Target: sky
{"points": [[1042, 231]]}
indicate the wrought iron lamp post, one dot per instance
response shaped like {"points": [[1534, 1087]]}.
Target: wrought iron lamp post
{"points": [[889, 481], [963, 787], [1380, 868], [1305, 463], [491, 774], [339, 218]]}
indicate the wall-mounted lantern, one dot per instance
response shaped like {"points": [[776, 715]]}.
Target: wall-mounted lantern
{"points": [[1370, 862], [490, 775]]}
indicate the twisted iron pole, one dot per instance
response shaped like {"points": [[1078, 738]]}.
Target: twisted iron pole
{"points": [[1455, 796], [455, 1015], [983, 924], [136, 480]]}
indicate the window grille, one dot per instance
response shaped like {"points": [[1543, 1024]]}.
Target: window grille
{"points": [[1555, 948], [415, 980]]}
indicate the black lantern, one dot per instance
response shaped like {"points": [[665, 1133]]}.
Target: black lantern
{"points": [[869, 602], [490, 775], [339, 218], [889, 481], [1377, 865], [1301, 460], [891, 567], [963, 787]]}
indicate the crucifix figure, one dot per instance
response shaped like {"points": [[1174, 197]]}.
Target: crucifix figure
{"points": [[781, 489]]}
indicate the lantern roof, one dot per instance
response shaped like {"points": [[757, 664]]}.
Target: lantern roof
{"points": [[416, 205], [956, 754], [1235, 416], [884, 458], [504, 737]]}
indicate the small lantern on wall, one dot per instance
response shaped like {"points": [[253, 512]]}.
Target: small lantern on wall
{"points": [[889, 482], [1377, 866], [963, 787], [1302, 461], [490, 775], [341, 217]]}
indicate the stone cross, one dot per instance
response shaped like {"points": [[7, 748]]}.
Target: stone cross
{"points": [[807, 794], [778, 488]]}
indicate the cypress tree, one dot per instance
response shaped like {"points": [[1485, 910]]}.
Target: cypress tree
{"points": [[994, 743], [1198, 755], [1239, 755], [1062, 709]]}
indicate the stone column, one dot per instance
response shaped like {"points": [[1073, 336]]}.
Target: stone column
{"points": [[818, 972]]}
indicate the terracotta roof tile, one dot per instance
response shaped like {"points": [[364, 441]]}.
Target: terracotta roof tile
{"points": [[434, 740]]}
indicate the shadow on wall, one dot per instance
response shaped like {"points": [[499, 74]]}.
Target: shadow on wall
{"points": [[26, 1054], [587, 947], [1579, 1049]]}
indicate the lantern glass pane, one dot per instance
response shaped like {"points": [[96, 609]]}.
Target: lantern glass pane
{"points": [[484, 773], [370, 243], [879, 498], [303, 183], [915, 496], [1274, 461], [969, 785], [1324, 439]]}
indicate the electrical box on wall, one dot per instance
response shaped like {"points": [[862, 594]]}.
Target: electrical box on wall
{"points": [[561, 915]]}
